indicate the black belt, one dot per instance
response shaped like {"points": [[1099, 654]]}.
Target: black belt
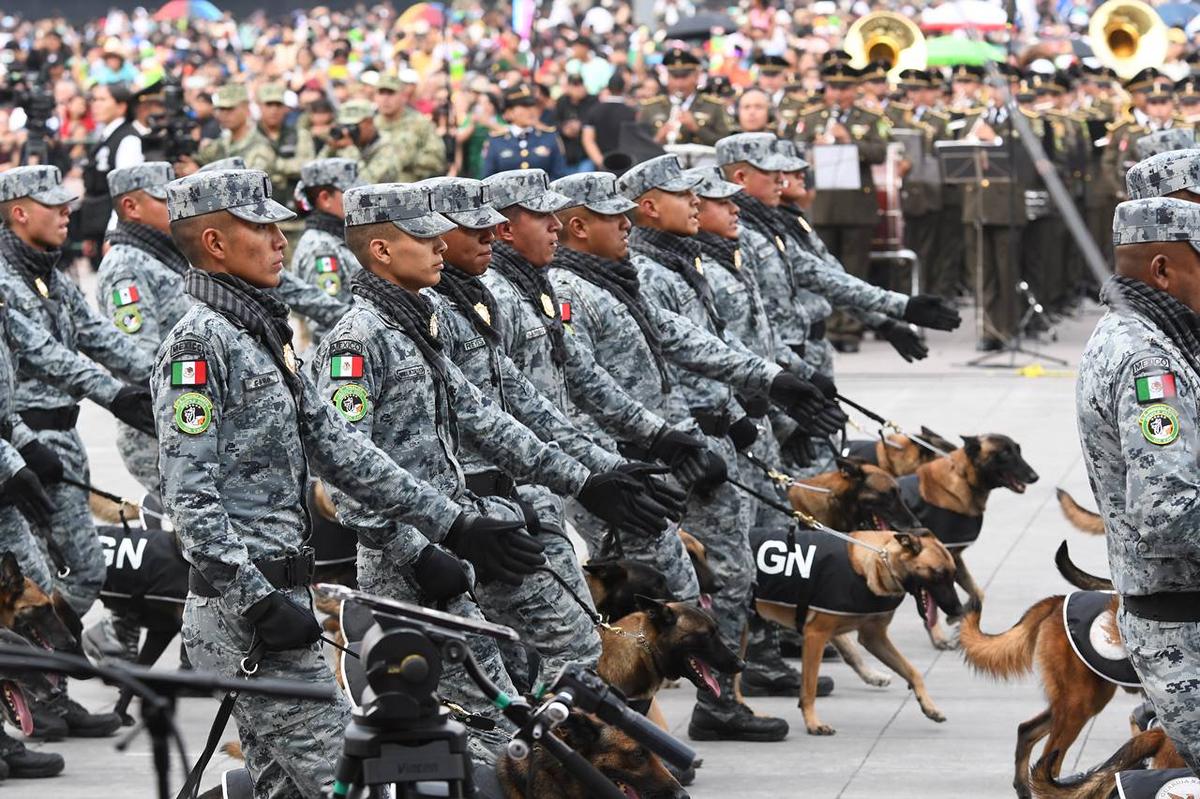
{"points": [[283, 573], [52, 418], [490, 484], [1180, 606], [712, 423], [816, 331]]}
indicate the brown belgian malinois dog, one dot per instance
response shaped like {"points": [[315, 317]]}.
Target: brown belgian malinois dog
{"points": [[1149, 749], [897, 454], [858, 496], [1040, 641], [917, 564], [664, 641]]}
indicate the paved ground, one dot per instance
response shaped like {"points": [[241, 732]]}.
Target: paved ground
{"points": [[884, 745]]}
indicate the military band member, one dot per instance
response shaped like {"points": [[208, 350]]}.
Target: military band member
{"points": [[684, 115], [921, 200]]}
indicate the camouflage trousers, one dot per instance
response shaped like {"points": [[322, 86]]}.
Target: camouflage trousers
{"points": [[139, 452], [72, 532], [1166, 655], [17, 537], [291, 746], [384, 572], [540, 609]]}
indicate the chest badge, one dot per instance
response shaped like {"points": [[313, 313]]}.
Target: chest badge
{"points": [[699, 264], [547, 305], [41, 287], [483, 312], [289, 358], [737, 258], [433, 325]]}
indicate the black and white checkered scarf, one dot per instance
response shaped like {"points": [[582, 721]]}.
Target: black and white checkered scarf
{"points": [[158, 245], [1180, 323]]}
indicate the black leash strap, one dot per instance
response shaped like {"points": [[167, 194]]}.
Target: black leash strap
{"points": [[112, 497], [248, 666], [874, 417], [596, 618]]}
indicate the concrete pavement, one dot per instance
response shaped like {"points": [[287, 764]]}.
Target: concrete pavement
{"points": [[884, 746]]}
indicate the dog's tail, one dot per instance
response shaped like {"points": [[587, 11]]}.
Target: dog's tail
{"points": [[1080, 517], [1077, 576], [233, 749], [1009, 654], [1097, 783]]}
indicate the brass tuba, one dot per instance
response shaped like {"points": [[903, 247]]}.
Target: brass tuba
{"points": [[888, 37], [1128, 36]]}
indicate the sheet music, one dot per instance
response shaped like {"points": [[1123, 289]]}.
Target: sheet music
{"points": [[835, 167]]}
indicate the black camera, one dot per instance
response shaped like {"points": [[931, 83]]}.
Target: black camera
{"points": [[27, 91], [170, 137], [338, 132]]}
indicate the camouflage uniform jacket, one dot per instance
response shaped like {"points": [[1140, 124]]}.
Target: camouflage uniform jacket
{"points": [[819, 271], [526, 341], [416, 137], [235, 449], [741, 306], [1146, 490], [255, 148], [491, 371], [65, 314], [703, 392], [324, 260], [141, 295], [396, 401], [790, 309], [309, 300], [379, 162]]}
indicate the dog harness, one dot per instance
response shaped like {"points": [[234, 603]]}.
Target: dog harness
{"points": [[953, 529], [142, 564], [811, 569], [863, 449], [1087, 617]]}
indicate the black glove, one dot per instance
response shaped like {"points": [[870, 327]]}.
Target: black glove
{"points": [[743, 433], [666, 494], [497, 548], [134, 406], [798, 448], [756, 407], [24, 491], [682, 452], [930, 310], [439, 575], [623, 502], [43, 461], [712, 475], [825, 384], [281, 624], [796, 396], [828, 420], [904, 341]]}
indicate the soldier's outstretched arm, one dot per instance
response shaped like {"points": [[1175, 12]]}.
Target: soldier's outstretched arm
{"points": [[595, 391], [842, 288], [41, 356], [309, 300], [697, 350], [102, 342], [11, 461]]}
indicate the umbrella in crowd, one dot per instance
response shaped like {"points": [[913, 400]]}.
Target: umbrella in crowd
{"points": [[1178, 15], [701, 26], [431, 13], [188, 9], [979, 15]]}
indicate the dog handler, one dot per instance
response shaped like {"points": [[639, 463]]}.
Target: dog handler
{"points": [[1138, 423]]}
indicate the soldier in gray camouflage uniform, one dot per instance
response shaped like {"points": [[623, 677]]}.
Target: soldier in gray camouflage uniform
{"points": [[1138, 422], [1175, 173], [1164, 141], [304, 298], [240, 424], [140, 285], [321, 256]]}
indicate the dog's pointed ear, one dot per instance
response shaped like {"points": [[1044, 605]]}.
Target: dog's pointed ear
{"points": [[909, 542], [604, 569], [12, 581], [851, 467], [936, 438], [972, 445], [660, 612]]}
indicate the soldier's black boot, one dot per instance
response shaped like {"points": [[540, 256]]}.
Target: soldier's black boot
{"points": [[79, 723], [725, 719], [24, 764], [766, 672]]}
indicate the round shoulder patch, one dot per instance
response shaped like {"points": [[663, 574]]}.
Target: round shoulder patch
{"points": [[351, 402], [1159, 424], [128, 319], [330, 283], [193, 413]]}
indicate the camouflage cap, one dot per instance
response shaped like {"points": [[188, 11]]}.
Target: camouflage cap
{"points": [[1163, 141], [408, 206], [151, 177], [756, 149], [338, 173], [1163, 174], [271, 93], [354, 111], [233, 162], [595, 191], [230, 95], [712, 185], [463, 201], [388, 83], [528, 188], [42, 184], [663, 172], [791, 153], [245, 193], [1157, 219]]}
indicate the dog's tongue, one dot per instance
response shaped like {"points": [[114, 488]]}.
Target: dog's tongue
{"points": [[930, 610], [707, 676], [706, 601], [24, 717]]}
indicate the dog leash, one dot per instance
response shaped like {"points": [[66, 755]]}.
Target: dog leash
{"points": [[887, 423], [781, 478], [113, 498]]}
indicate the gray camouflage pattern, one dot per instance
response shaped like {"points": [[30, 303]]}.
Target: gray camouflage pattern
{"points": [[1164, 173], [40, 183], [309, 300], [1156, 219], [757, 149], [314, 244], [1162, 141], [407, 206], [235, 488], [664, 172], [595, 191], [528, 188], [232, 162], [339, 173], [712, 185], [463, 201], [791, 154], [244, 193], [151, 177]]}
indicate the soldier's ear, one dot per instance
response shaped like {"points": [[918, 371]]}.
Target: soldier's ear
{"points": [[504, 231]]}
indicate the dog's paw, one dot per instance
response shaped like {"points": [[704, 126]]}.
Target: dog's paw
{"points": [[821, 729], [877, 680], [933, 714]]}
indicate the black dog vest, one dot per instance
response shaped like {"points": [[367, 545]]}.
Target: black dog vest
{"points": [[1156, 783], [142, 564], [812, 570], [1083, 615], [863, 450], [953, 529]]}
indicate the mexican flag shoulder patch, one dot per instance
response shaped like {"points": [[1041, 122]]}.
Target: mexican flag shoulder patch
{"points": [[1151, 388], [189, 373], [126, 296], [346, 366], [326, 263]]}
